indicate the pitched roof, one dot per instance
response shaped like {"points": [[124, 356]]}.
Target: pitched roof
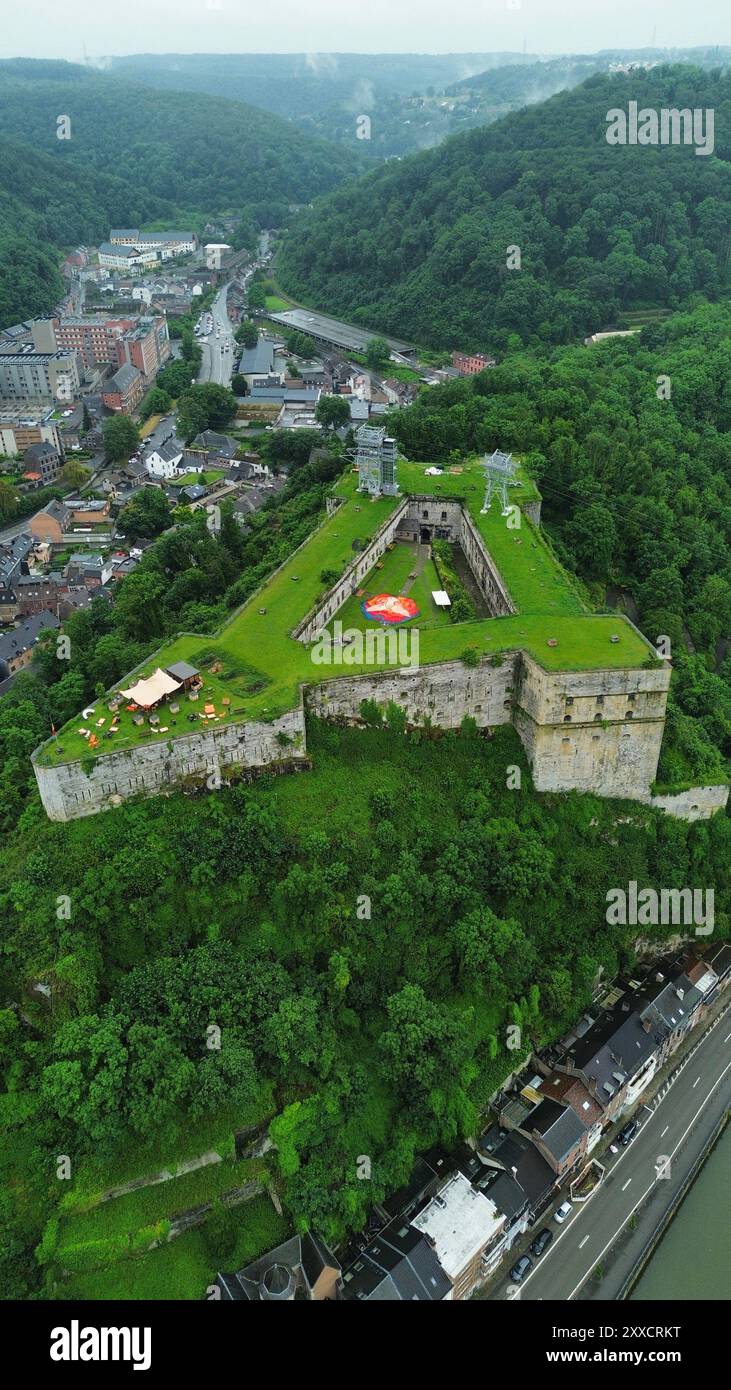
{"points": [[26, 634], [558, 1126], [398, 1266]]}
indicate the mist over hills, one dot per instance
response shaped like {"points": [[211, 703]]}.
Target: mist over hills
{"points": [[419, 246]]}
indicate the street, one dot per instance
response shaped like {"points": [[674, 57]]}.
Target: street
{"points": [[217, 363], [684, 1113]]}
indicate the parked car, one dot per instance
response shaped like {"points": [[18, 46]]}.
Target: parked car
{"points": [[541, 1242], [563, 1212], [627, 1134], [520, 1269]]}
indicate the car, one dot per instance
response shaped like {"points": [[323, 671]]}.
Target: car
{"points": [[520, 1269], [627, 1134], [541, 1242], [563, 1212]]}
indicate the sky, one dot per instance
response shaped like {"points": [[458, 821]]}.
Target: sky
{"points": [[49, 29]]}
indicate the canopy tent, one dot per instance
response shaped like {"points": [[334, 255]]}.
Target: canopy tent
{"points": [[150, 692]]}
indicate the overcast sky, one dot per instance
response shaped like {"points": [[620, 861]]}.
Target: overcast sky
{"points": [[60, 28]]}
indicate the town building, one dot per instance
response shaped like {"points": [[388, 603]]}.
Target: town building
{"points": [[300, 1268], [164, 461], [124, 391], [39, 377], [21, 427], [16, 646], [43, 463], [469, 364]]}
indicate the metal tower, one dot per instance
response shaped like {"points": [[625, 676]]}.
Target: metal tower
{"points": [[376, 458], [500, 471]]}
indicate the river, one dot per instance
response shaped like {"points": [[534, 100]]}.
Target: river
{"points": [[692, 1260]]}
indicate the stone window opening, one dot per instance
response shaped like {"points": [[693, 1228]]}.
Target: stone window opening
{"points": [[567, 719]]}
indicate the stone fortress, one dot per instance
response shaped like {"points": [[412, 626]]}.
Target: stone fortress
{"points": [[595, 725]]}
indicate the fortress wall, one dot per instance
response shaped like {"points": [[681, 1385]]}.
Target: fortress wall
{"points": [[68, 791], [695, 803], [486, 573], [592, 731], [445, 693], [320, 615], [442, 515]]}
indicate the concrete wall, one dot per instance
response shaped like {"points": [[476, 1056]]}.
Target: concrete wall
{"points": [[68, 791]]}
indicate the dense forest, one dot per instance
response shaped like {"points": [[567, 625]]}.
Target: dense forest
{"points": [[426, 247], [362, 939], [133, 156]]}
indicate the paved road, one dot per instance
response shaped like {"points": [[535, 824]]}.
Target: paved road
{"points": [[217, 363], [677, 1124]]}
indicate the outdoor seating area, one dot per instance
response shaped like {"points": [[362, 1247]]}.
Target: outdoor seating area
{"points": [[153, 705]]}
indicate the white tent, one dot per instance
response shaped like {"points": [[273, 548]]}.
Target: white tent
{"points": [[150, 692]]}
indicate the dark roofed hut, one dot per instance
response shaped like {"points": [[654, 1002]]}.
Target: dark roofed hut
{"points": [[183, 672]]}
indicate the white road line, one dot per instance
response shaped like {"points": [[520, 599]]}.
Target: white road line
{"points": [[695, 1083], [583, 1242], [627, 1184], [637, 1204], [726, 1039], [662, 1136]]}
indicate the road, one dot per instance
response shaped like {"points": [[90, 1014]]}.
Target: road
{"points": [[675, 1125], [217, 363]]}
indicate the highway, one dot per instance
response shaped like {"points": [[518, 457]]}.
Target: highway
{"points": [[631, 1200]]}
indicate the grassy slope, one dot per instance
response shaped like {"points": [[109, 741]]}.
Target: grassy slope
{"points": [[257, 642]]}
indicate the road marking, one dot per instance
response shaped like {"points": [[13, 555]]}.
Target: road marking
{"points": [[583, 1242], [695, 1083], [726, 1039], [627, 1184], [662, 1136], [639, 1202], [647, 1108]]}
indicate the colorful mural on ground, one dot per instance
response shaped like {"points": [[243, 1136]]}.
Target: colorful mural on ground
{"points": [[389, 608]]}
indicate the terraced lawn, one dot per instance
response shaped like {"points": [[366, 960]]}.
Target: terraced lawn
{"points": [[263, 667]]}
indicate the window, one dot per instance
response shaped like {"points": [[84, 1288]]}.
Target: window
{"points": [[425, 515], [600, 699], [629, 714], [631, 699], [569, 699], [444, 516], [567, 719], [596, 717]]}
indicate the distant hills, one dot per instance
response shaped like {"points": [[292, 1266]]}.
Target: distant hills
{"points": [[298, 85], [134, 156], [420, 246], [414, 101]]}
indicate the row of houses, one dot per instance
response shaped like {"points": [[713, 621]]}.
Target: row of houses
{"points": [[460, 1214]]}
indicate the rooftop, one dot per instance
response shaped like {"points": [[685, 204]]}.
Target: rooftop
{"points": [[460, 1222]]}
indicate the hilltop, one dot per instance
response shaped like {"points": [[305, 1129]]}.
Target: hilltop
{"points": [[421, 244]]}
